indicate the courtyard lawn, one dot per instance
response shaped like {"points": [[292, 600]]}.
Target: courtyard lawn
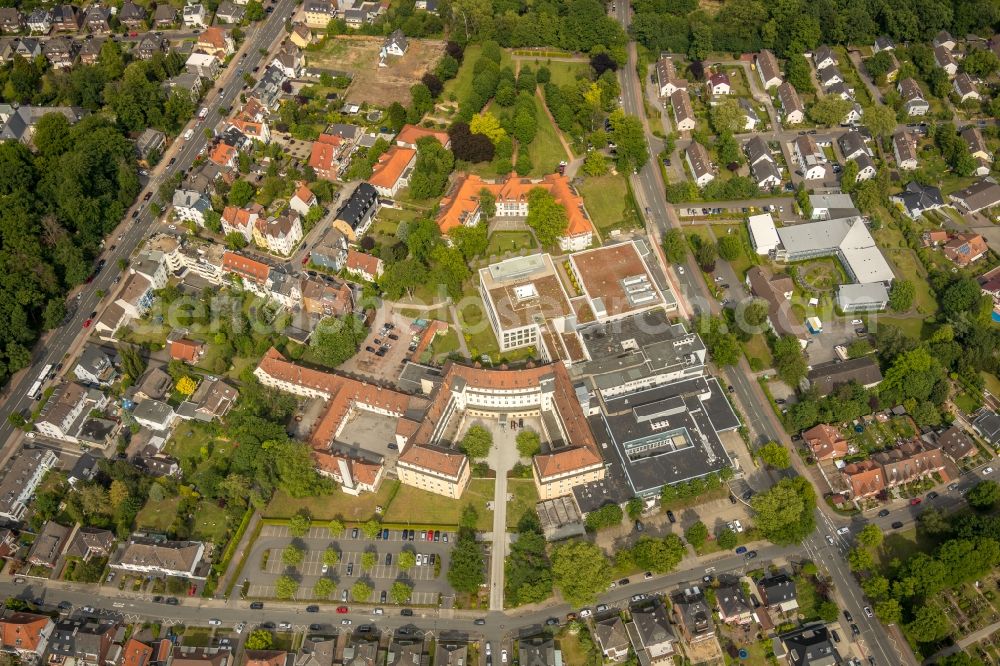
{"points": [[562, 72], [481, 338], [338, 504], [524, 501], [444, 344], [436, 509], [158, 516], [502, 242], [545, 151], [607, 202], [190, 437], [210, 522]]}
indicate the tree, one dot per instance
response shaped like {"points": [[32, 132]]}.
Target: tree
{"points": [[241, 193], [727, 117], [235, 241], [255, 11], [775, 455], [371, 528], [466, 571], [323, 588], [756, 312], [286, 587], [727, 539], [675, 246], [880, 119], [980, 63], [546, 217], [696, 535], [595, 164], [361, 591], [336, 340], [292, 556], [861, 559], [789, 360], [580, 571], [705, 254], [730, 248], [634, 508], [901, 295], [477, 442], [829, 111], [870, 536], [799, 73], [784, 514], [984, 495], [430, 173], [929, 624], [528, 443], [400, 592], [630, 138], [407, 560], [335, 526], [879, 65], [849, 176], [331, 557], [119, 493], [608, 515], [259, 639], [488, 125], [369, 559]]}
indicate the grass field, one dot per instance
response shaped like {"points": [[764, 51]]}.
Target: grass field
{"points": [[606, 199], [912, 326], [910, 268], [211, 522], [336, 505], [902, 544], [189, 439], [439, 510], [444, 344], [546, 151], [461, 85], [158, 516], [525, 498], [509, 241], [992, 383], [481, 337], [562, 72], [757, 347]]}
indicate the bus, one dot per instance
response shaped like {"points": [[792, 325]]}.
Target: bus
{"points": [[35, 391]]}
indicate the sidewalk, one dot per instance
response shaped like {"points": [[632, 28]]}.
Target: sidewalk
{"points": [[237, 559]]}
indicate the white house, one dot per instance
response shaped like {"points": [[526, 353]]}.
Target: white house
{"points": [[194, 15], [394, 45], [824, 57], [302, 200], [191, 205], [154, 414], [700, 164], [718, 84]]}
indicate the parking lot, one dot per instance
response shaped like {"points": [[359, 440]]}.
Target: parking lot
{"points": [[369, 363], [275, 538]]}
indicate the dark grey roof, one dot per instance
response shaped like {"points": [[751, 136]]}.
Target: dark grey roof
{"points": [[652, 625], [955, 443], [86, 639], [358, 205], [827, 377], [778, 589], [917, 198], [987, 424], [852, 144], [757, 149], [732, 600], [811, 646]]}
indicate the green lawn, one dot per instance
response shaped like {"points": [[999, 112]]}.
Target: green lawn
{"points": [[562, 72], [189, 439], [335, 505], [912, 326], [992, 383], [210, 523], [910, 268], [436, 509], [546, 151], [525, 498], [757, 347], [903, 544], [607, 202], [502, 242], [461, 85], [444, 344], [481, 339], [158, 516]]}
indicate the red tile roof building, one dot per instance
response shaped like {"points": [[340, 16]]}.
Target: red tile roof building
{"points": [[410, 134], [392, 171], [325, 156], [183, 349], [864, 478], [963, 249], [25, 634], [245, 267], [366, 266], [825, 442]]}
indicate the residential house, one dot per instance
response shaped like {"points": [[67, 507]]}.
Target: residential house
{"points": [[750, 118], [185, 349], [828, 377], [90, 51], [684, 118], [360, 14], [301, 35], [303, 199], [230, 12], [278, 235], [48, 546], [326, 299], [25, 635], [241, 220], [904, 149], [917, 198], [989, 282], [651, 633], [136, 296], [355, 215], [40, 21], [165, 16], [191, 206], [24, 472], [538, 651], [154, 415], [394, 45], [426, 5], [718, 84], [406, 650], [224, 154], [325, 156], [409, 135], [854, 115], [978, 196], [330, 252], [215, 41], [776, 292], [270, 658], [60, 52], [910, 461], [757, 151], [791, 104], [365, 266], [700, 164], [319, 13], [965, 248], [66, 409], [84, 641], [11, 20], [866, 167], [211, 400], [812, 161], [95, 366], [824, 57], [973, 138], [767, 69], [693, 614], [778, 592], [137, 653], [28, 48], [290, 61], [852, 145], [612, 637], [934, 237], [829, 76], [840, 89], [826, 442], [203, 64], [766, 175], [883, 43], [666, 77], [66, 18], [154, 384], [132, 16], [88, 542], [98, 19], [392, 171], [734, 607], [987, 424], [149, 142], [810, 645], [965, 87], [956, 444], [914, 102], [448, 651], [944, 40], [194, 15], [945, 60]]}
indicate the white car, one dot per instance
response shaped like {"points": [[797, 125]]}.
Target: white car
{"points": [[856, 322], [345, 622], [285, 626], [680, 270], [417, 560], [586, 612], [240, 627], [489, 648], [378, 611], [738, 525], [988, 470], [326, 567], [214, 622], [503, 656], [829, 539], [843, 530]]}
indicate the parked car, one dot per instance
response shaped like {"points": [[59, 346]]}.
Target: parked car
{"points": [[883, 513], [342, 609], [896, 525], [741, 550], [257, 605]]}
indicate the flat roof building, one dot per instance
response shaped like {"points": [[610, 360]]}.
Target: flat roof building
{"points": [[763, 233], [848, 239], [616, 281]]}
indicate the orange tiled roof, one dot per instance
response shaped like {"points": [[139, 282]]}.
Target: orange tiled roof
{"points": [[185, 350], [247, 127], [213, 36], [304, 193], [223, 154], [865, 477], [324, 150], [362, 471], [266, 658], [825, 442], [245, 266], [461, 203], [241, 217], [136, 653], [22, 631], [391, 166], [437, 459], [359, 261], [410, 134]]}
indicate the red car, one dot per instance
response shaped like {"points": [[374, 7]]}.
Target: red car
{"points": [[87, 323], [429, 536], [341, 609], [915, 501], [305, 260]]}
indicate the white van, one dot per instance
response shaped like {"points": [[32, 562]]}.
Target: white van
{"points": [[188, 134]]}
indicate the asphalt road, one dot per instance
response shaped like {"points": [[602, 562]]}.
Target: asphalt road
{"points": [[57, 344]]}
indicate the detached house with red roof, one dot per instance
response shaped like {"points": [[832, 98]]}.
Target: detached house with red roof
{"points": [[826, 442], [365, 266], [215, 41], [392, 171], [325, 157], [241, 220], [185, 349], [964, 249], [224, 155], [410, 134], [26, 634], [302, 200]]}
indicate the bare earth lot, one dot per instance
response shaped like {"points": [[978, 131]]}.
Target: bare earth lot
{"points": [[380, 86]]}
